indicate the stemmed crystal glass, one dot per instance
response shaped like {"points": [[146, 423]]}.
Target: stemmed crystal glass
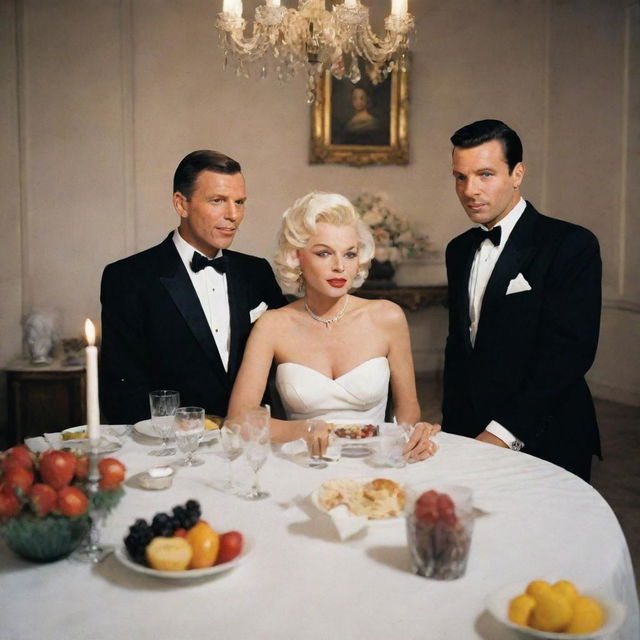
{"points": [[163, 404], [188, 428], [231, 442], [256, 436]]}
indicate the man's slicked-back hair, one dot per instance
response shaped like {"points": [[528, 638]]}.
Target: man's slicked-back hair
{"points": [[481, 131], [184, 179]]}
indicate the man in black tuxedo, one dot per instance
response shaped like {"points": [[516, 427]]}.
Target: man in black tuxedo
{"points": [[524, 312], [178, 315]]}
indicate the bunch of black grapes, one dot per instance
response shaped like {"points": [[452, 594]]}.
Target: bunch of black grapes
{"points": [[163, 525]]}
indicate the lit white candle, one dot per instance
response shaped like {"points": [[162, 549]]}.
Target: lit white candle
{"points": [[351, 3], [273, 3], [93, 403], [398, 7], [234, 7]]}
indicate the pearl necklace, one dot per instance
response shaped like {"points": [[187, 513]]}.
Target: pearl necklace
{"points": [[327, 321]]}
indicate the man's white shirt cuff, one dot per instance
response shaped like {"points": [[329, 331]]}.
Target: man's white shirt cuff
{"points": [[499, 431]]}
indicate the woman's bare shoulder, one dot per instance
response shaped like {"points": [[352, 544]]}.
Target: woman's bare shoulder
{"points": [[273, 317], [383, 311]]}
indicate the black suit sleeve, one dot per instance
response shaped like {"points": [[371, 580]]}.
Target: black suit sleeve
{"points": [[566, 341], [124, 363]]}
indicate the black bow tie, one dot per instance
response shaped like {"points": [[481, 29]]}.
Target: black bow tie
{"points": [[493, 235], [199, 262]]}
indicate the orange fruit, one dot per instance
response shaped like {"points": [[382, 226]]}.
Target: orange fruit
{"points": [[536, 587], [520, 609], [588, 616], [552, 612], [567, 589], [205, 543]]}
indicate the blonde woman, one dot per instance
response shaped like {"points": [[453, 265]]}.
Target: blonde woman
{"points": [[335, 353]]}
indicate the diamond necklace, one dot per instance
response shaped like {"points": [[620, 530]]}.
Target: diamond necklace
{"points": [[327, 321]]}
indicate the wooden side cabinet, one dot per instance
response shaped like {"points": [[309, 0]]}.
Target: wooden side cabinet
{"points": [[42, 399]]}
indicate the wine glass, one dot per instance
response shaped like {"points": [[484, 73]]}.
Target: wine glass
{"points": [[163, 404], [231, 449], [188, 428], [256, 436]]}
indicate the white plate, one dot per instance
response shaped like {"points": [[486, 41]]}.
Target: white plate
{"points": [[191, 574], [145, 428], [315, 500], [498, 605], [109, 442]]}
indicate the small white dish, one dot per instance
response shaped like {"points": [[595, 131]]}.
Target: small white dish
{"points": [[190, 574], [498, 605], [157, 478], [315, 500]]}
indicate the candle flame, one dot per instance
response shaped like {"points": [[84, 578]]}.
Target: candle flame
{"points": [[90, 332]]}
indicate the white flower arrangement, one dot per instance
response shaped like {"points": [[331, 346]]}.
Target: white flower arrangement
{"points": [[395, 239]]}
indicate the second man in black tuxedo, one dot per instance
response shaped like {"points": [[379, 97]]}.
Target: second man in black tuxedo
{"points": [[177, 316], [524, 312]]}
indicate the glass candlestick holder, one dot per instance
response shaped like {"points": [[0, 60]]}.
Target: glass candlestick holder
{"points": [[90, 550]]}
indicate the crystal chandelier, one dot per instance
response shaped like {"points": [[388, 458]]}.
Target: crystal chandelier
{"points": [[312, 38]]}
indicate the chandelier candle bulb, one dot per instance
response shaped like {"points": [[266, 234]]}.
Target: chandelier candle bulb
{"points": [[398, 7], [273, 3], [93, 403], [233, 7], [351, 3]]}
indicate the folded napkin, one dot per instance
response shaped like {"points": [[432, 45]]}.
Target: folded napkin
{"points": [[347, 524], [37, 444]]}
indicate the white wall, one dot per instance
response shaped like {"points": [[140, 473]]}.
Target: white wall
{"points": [[99, 100]]}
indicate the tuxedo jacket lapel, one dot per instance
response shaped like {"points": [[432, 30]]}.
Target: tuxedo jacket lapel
{"points": [[177, 282], [238, 313], [511, 262], [467, 252]]}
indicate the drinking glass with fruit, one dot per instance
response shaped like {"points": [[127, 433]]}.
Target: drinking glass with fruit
{"points": [[439, 527], [44, 503]]}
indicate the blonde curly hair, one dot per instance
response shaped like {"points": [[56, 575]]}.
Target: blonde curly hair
{"points": [[299, 224]]}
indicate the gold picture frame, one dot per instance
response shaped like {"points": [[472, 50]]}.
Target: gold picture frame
{"points": [[343, 131]]}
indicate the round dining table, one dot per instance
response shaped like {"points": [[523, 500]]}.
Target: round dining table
{"points": [[533, 520]]}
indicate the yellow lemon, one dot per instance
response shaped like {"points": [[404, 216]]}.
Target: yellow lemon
{"points": [[566, 589], [552, 611], [520, 609], [536, 587], [587, 616]]}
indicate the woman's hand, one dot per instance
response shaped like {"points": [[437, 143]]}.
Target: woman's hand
{"points": [[420, 446]]}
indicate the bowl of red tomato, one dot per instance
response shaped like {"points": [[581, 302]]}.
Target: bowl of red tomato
{"points": [[45, 502]]}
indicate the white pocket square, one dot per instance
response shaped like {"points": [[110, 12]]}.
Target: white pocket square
{"points": [[518, 284], [254, 314]]}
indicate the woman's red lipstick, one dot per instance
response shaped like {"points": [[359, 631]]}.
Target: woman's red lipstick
{"points": [[338, 283]]}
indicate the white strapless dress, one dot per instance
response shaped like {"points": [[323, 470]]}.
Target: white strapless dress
{"points": [[359, 395]]}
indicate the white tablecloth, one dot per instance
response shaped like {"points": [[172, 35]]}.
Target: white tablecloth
{"points": [[300, 581]]}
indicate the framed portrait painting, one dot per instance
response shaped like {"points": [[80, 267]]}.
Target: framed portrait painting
{"points": [[360, 123]]}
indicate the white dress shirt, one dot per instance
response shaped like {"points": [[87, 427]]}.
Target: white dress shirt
{"points": [[211, 289], [483, 264]]}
